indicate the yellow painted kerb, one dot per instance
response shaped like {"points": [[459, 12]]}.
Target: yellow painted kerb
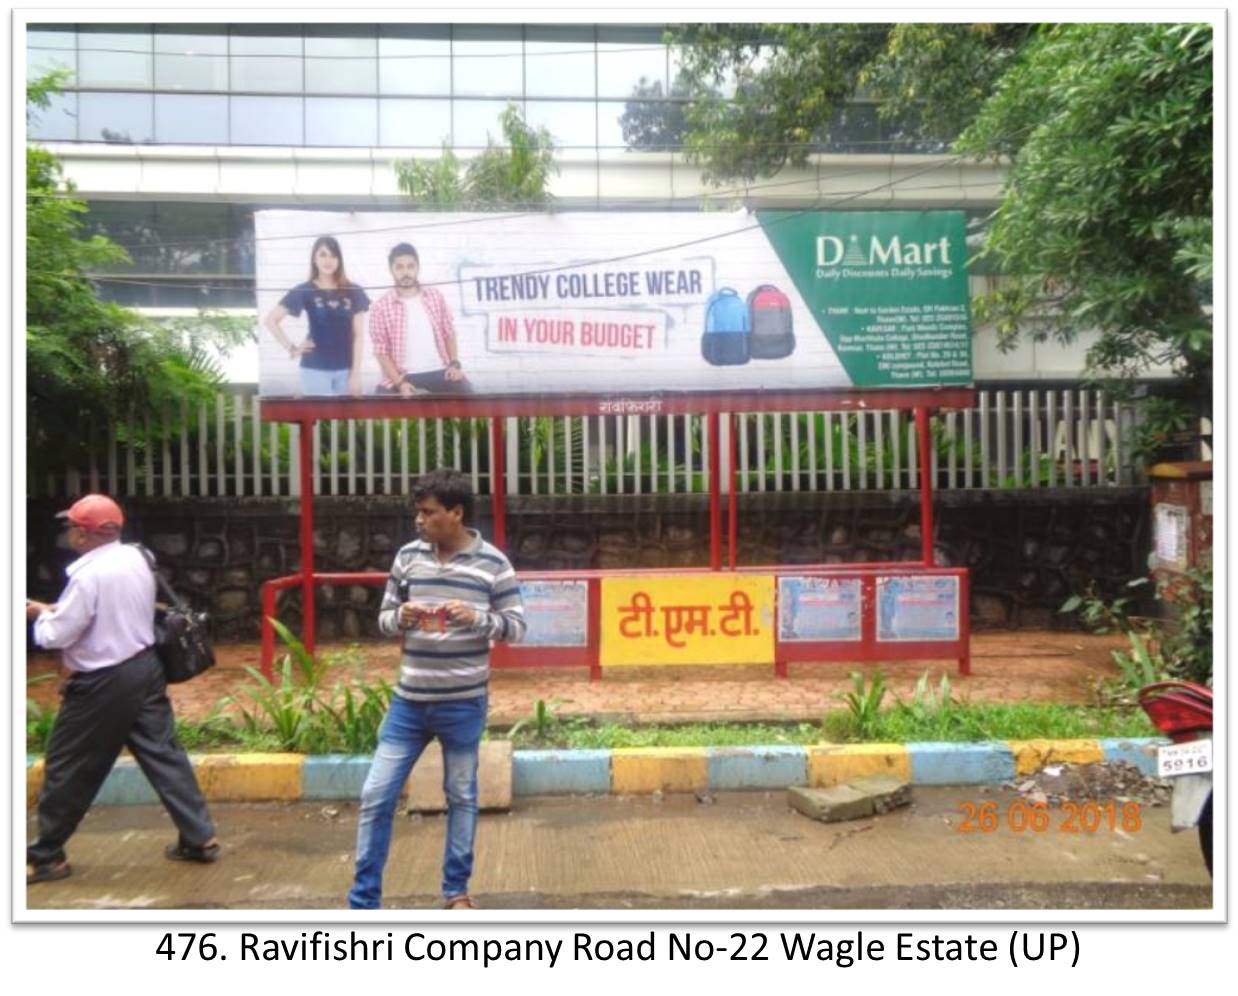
{"points": [[637, 770], [834, 764], [249, 777], [1032, 755]]}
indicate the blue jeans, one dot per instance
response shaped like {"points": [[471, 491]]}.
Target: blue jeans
{"points": [[324, 382], [409, 726]]}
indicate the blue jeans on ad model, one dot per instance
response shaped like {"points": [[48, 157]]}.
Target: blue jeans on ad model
{"points": [[408, 728], [324, 382]]}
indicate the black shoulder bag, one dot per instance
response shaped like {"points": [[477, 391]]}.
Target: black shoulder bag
{"points": [[182, 636]]}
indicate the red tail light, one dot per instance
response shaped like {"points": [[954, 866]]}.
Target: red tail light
{"points": [[1178, 709]]}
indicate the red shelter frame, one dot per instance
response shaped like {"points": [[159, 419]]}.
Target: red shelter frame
{"points": [[921, 401]]}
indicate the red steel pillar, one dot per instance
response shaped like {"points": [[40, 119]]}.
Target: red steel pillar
{"points": [[732, 550]]}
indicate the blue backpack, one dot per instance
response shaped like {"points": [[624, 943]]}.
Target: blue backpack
{"points": [[726, 340]]}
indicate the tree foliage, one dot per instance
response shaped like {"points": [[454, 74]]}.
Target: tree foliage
{"points": [[91, 362], [1105, 219], [514, 173]]}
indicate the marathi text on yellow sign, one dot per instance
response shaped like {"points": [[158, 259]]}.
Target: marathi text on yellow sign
{"points": [[697, 619]]}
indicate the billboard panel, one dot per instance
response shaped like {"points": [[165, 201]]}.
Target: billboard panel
{"points": [[609, 303]]}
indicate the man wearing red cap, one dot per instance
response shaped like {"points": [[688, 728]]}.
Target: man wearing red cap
{"points": [[115, 695]]}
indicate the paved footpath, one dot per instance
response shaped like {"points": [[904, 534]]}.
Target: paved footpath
{"points": [[1027, 666], [741, 850]]}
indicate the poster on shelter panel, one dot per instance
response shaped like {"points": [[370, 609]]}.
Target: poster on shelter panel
{"points": [[427, 304]]}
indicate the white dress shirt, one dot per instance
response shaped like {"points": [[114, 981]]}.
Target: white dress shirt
{"points": [[106, 614]]}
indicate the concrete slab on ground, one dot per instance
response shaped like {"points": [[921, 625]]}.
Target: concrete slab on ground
{"points": [[728, 851]]}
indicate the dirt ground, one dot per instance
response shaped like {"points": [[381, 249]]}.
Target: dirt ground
{"points": [[1025, 666]]}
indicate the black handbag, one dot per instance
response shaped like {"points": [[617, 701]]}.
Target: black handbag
{"points": [[182, 636]]}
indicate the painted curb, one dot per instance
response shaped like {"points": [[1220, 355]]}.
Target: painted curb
{"points": [[296, 777]]}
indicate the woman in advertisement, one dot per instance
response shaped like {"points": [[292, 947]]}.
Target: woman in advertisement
{"points": [[331, 353]]}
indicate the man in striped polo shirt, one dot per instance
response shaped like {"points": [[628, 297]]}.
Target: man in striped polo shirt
{"points": [[450, 595]]}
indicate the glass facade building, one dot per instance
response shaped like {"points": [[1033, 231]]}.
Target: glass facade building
{"points": [[388, 86]]}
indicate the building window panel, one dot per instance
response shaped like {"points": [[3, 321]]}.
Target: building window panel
{"points": [[641, 125], [266, 58], [560, 62], [57, 122], [190, 60], [266, 121], [191, 119], [126, 118], [114, 58], [472, 120], [341, 121], [630, 58], [414, 59], [341, 58], [414, 123], [572, 124], [48, 50], [488, 61]]}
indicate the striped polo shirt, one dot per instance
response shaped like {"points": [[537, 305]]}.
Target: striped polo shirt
{"points": [[444, 660]]}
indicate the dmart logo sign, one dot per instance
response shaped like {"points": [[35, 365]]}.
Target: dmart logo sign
{"points": [[882, 257]]}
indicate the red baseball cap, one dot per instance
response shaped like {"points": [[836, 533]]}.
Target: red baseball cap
{"points": [[94, 512]]}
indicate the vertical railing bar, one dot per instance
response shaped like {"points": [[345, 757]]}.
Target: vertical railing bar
{"points": [[1102, 474], [1068, 416], [255, 429], [952, 434], [1000, 429], [294, 459], [273, 437], [1085, 439], [131, 457], [512, 463], [602, 452], [406, 430], [744, 468], [584, 454], [777, 423], [1016, 415], [985, 476], [913, 451], [567, 454], [931, 422], [1051, 434], [705, 453], [550, 457], [369, 457], [670, 453], [333, 467], [1119, 469], [862, 446], [634, 438], [165, 453], [812, 451], [316, 450], [474, 454], [878, 450], [844, 419], [423, 456], [387, 458], [221, 472], [204, 483], [828, 432], [967, 448], [760, 450], [148, 456], [795, 451], [238, 434], [1033, 408], [113, 463], [896, 472]]}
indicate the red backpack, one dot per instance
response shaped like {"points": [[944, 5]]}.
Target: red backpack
{"points": [[769, 313]]}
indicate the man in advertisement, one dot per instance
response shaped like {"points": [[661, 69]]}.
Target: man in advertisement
{"points": [[404, 323], [450, 594]]}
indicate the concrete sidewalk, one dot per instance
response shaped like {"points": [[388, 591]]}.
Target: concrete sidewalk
{"points": [[726, 851]]}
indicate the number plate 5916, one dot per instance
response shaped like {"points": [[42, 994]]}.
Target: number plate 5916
{"points": [[1191, 758]]}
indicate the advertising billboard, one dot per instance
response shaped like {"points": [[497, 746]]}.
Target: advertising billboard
{"points": [[403, 303]]}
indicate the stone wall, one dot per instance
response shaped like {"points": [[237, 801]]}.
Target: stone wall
{"points": [[1027, 550]]}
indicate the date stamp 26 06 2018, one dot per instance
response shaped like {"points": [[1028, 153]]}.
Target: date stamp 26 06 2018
{"points": [[1021, 816]]}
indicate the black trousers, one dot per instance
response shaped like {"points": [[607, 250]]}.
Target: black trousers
{"points": [[103, 711], [434, 381]]}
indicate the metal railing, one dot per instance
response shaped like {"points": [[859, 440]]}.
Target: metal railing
{"points": [[1011, 439]]}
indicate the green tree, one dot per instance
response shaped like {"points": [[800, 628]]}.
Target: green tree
{"points": [[91, 362], [514, 173], [1105, 219]]}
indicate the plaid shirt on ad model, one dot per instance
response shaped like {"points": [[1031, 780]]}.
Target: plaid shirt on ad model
{"points": [[387, 325]]}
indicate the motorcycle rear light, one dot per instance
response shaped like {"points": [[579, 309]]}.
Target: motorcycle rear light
{"points": [[1177, 717]]}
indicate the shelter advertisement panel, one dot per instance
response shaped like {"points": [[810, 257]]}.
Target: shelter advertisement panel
{"points": [[815, 609], [714, 619], [412, 304], [557, 613], [917, 608]]}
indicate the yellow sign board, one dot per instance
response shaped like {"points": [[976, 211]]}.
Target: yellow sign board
{"points": [[693, 619]]}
